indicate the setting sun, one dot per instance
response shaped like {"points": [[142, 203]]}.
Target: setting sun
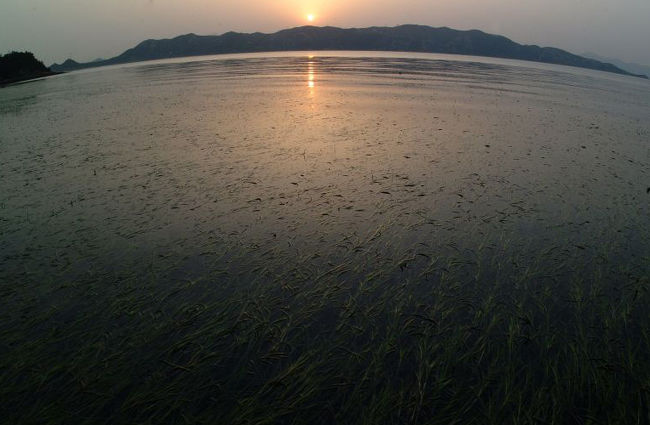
{"points": [[310, 18]]}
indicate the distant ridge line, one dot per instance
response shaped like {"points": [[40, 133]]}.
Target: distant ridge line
{"points": [[404, 38]]}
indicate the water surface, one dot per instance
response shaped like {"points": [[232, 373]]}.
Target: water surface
{"points": [[230, 222]]}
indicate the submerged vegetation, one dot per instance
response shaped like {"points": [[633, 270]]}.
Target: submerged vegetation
{"points": [[480, 337], [325, 240]]}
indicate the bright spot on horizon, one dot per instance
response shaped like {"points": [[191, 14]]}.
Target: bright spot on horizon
{"points": [[311, 17]]}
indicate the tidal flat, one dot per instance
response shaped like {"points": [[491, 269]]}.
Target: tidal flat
{"points": [[325, 238]]}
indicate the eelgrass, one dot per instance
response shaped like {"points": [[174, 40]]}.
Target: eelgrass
{"points": [[380, 337], [457, 243]]}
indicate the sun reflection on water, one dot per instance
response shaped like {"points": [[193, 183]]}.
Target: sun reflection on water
{"points": [[311, 74]]}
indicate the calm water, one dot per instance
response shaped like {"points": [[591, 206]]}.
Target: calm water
{"points": [[300, 153], [233, 171]]}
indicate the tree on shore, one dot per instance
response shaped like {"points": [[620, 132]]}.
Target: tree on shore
{"points": [[21, 65]]}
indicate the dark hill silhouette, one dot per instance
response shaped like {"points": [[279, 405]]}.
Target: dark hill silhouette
{"points": [[21, 66], [634, 68], [407, 38]]}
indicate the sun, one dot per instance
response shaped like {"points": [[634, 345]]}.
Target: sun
{"points": [[311, 17]]}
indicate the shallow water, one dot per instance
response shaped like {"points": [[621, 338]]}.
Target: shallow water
{"points": [[221, 170], [301, 152]]}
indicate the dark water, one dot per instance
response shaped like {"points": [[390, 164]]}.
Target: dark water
{"points": [[158, 191]]}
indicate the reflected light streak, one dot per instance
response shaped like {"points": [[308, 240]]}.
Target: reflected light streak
{"points": [[311, 74]]}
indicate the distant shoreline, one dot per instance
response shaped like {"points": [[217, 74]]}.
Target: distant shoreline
{"points": [[16, 67], [11, 81], [403, 38]]}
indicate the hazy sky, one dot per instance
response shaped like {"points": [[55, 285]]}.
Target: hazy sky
{"points": [[86, 29]]}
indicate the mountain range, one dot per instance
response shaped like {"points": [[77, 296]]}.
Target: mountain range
{"points": [[634, 68], [406, 38]]}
